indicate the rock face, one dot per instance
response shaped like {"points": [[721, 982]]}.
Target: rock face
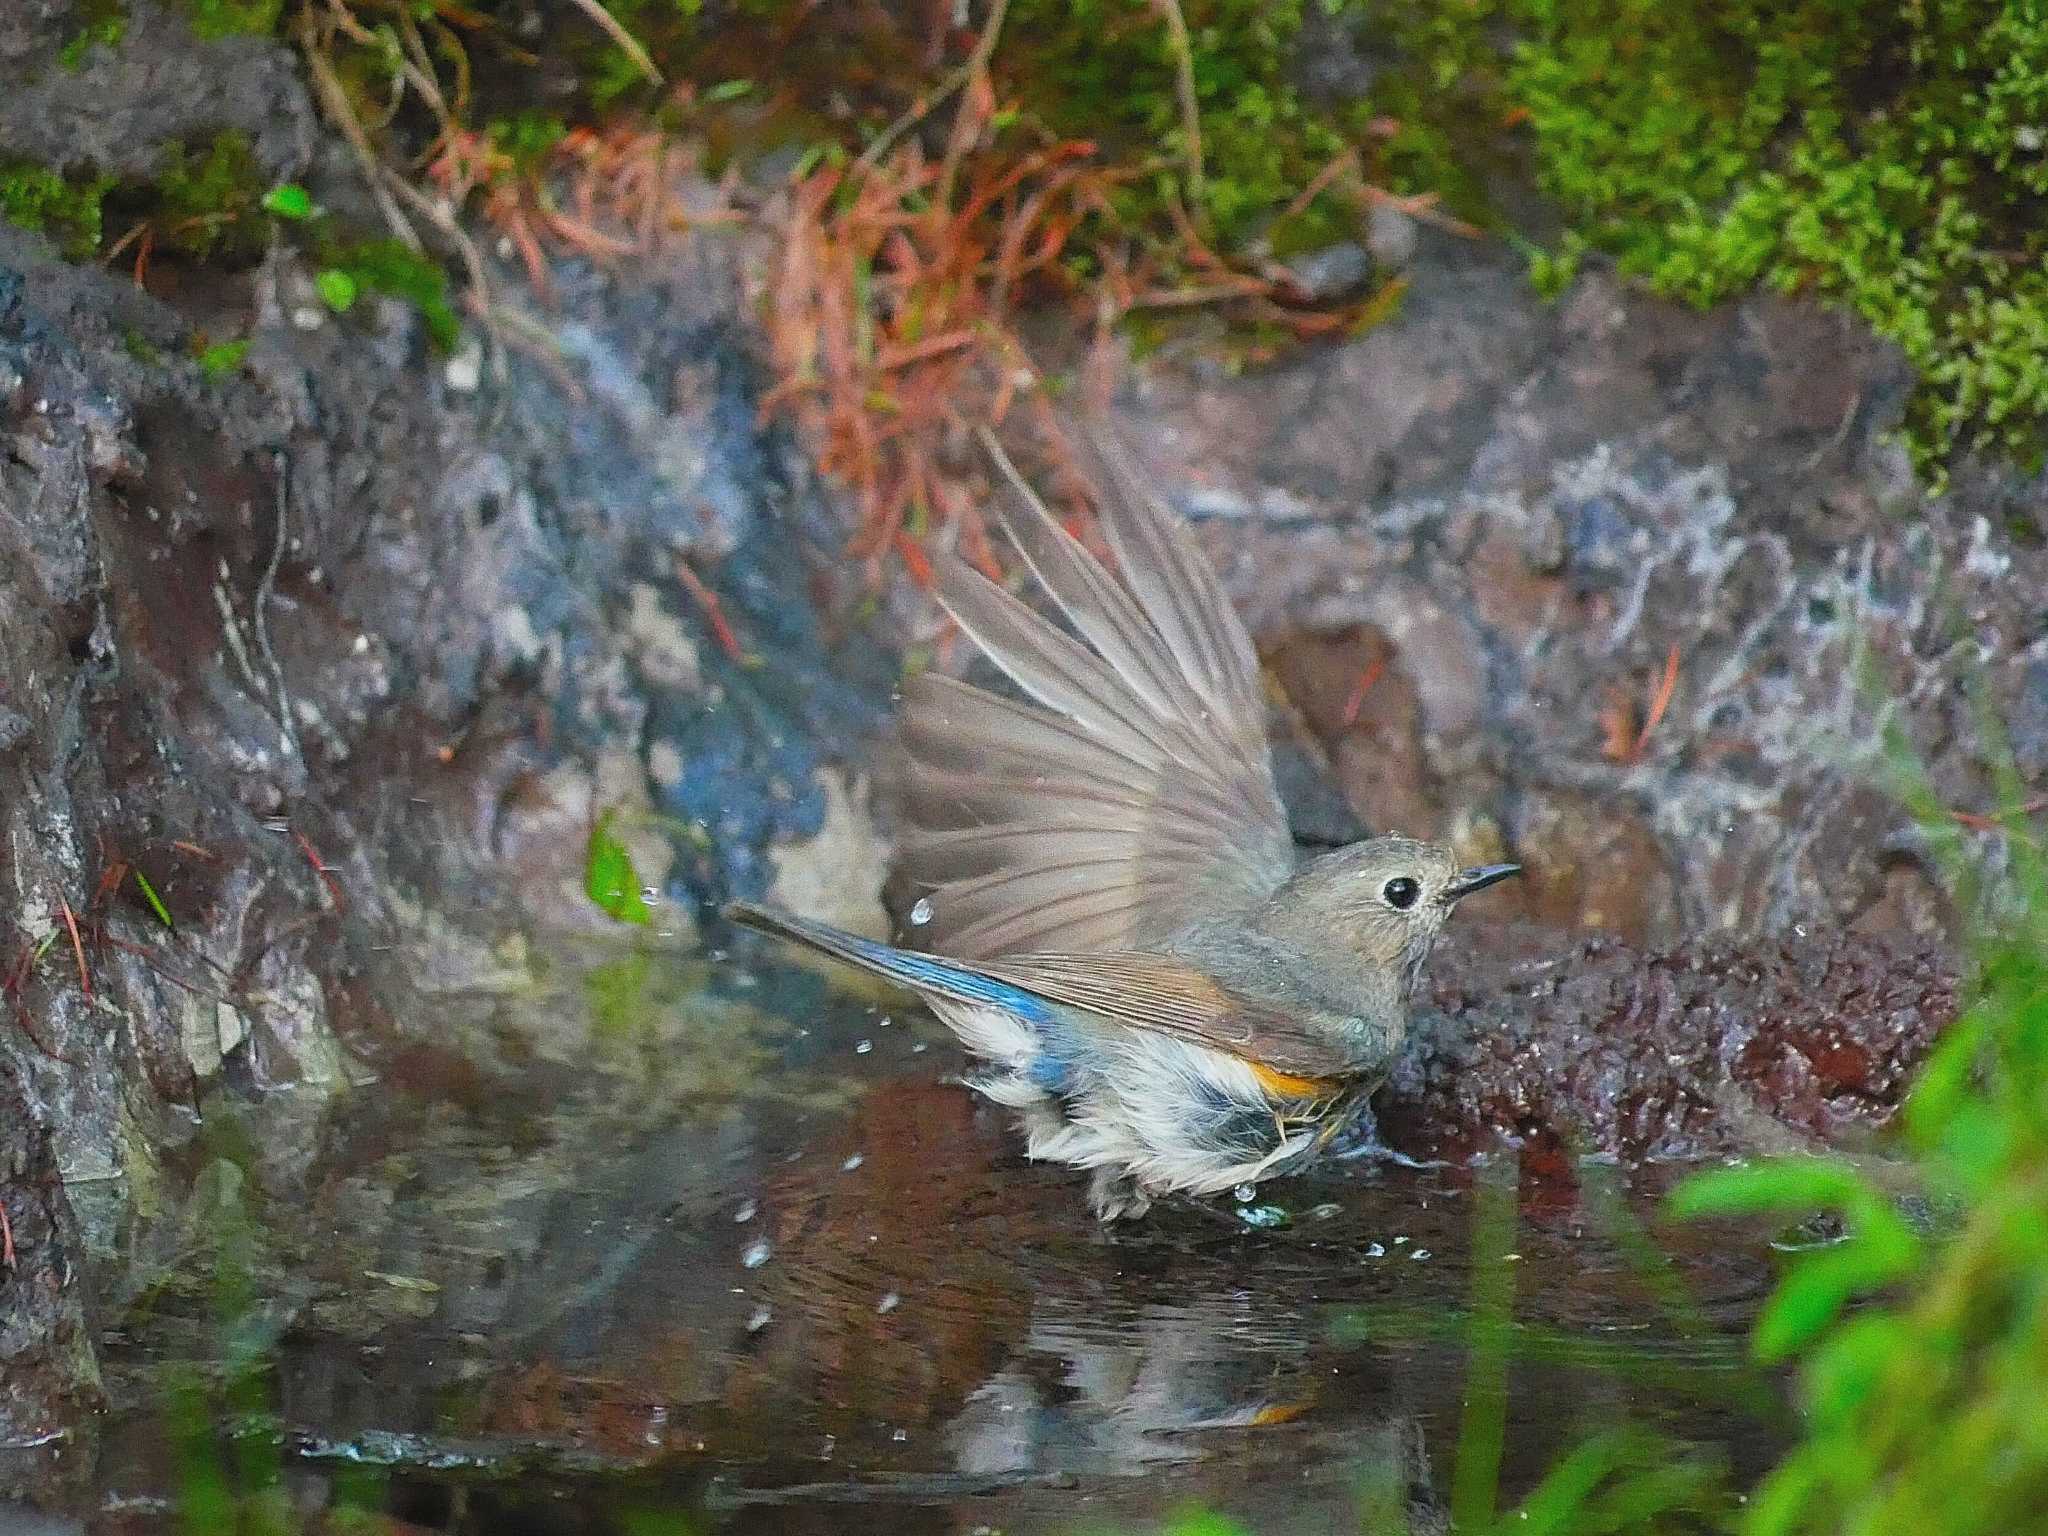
{"points": [[312, 680], [1516, 518]]}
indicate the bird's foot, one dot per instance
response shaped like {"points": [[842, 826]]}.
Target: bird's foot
{"points": [[1116, 1196]]}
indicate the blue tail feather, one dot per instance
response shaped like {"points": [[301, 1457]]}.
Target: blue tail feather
{"points": [[954, 980]]}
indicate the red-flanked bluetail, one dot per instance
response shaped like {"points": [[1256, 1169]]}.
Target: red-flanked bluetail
{"points": [[1118, 924]]}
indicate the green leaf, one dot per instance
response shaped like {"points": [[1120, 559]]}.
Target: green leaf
{"points": [[337, 289], [729, 90], [1781, 1185], [609, 879], [1816, 1289], [1846, 1372], [155, 901], [289, 200]]}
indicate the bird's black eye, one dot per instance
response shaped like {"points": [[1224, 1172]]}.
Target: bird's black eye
{"points": [[1401, 893]]}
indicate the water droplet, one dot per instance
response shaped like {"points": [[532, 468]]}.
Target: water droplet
{"points": [[917, 1048], [651, 894], [1326, 1210], [1245, 1194], [1399, 1241], [756, 1254], [900, 1436], [759, 1320], [853, 1162], [745, 1213], [888, 1304], [886, 1021], [1264, 1217], [862, 1047], [1376, 1251], [1420, 1253], [921, 913]]}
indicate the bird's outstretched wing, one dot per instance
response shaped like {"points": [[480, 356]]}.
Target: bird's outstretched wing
{"points": [[1133, 792]]}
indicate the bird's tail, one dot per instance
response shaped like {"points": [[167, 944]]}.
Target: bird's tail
{"points": [[954, 980]]}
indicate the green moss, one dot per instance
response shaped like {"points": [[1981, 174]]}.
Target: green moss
{"points": [[389, 267], [205, 202], [526, 138], [222, 358], [1889, 160], [233, 18], [103, 23], [1106, 71], [66, 208], [146, 352]]}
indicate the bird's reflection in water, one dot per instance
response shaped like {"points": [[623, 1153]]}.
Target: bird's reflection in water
{"points": [[939, 1306]]}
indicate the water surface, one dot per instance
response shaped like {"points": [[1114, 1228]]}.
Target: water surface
{"points": [[728, 1250]]}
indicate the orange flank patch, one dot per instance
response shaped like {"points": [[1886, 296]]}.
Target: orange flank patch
{"points": [[1285, 1085], [1278, 1413]]}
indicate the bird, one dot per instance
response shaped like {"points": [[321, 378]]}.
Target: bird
{"points": [[1113, 917]]}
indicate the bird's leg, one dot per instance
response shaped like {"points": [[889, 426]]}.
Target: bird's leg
{"points": [[1116, 1196]]}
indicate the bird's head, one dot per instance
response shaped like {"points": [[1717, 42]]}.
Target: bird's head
{"points": [[1386, 898]]}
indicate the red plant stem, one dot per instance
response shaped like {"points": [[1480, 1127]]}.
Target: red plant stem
{"points": [[1356, 702], [714, 611], [321, 869], [1661, 702], [77, 948]]}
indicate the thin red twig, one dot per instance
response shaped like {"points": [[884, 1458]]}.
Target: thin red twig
{"points": [[1661, 701], [1989, 821], [6, 1239], [148, 959], [714, 610], [1366, 679], [22, 1017], [77, 948], [320, 868]]}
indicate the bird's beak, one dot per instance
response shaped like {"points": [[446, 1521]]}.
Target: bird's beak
{"points": [[1470, 880]]}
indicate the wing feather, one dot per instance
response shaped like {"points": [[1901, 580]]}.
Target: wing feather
{"points": [[1131, 790], [1177, 587]]}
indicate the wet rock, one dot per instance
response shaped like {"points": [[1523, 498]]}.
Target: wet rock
{"points": [[1591, 865], [1317, 812], [48, 1375], [836, 876], [2026, 723], [1360, 708], [543, 838], [1602, 1049]]}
